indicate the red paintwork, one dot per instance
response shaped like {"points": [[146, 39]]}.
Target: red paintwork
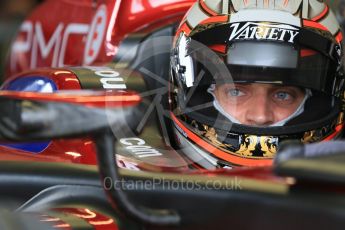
{"points": [[100, 99], [308, 23], [321, 15], [123, 17], [80, 151], [95, 219], [9, 154], [54, 222], [337, 132], [75, 151]]}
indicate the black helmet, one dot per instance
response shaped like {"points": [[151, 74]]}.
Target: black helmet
{"points": [[247, 51]]}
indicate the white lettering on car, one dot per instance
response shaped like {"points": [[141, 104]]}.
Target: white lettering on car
{"points": [[34, 43], [137, 147], [127, 165], [109, 78]]}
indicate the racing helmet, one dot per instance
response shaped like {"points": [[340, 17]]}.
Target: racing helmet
{"points": [[263, 46]]}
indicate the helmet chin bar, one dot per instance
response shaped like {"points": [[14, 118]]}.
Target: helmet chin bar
{"points": [[196, 154], [248, 151], [242, 149]]}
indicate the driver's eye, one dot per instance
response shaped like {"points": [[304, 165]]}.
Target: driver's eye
{"points": [[235, 92], [282, 96]]}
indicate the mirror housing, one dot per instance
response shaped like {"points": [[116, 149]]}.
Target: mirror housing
{"points": [[30, 116]]}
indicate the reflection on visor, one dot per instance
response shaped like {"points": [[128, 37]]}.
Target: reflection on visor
{"points": [[263, 54], [244, 64], [186, 62], [281, 61]]}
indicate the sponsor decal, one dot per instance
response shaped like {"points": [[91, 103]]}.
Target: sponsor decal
{"points": [[37, 45], [109, 78], [263, 31], [127, 165], [96, 35], [139, 148]]}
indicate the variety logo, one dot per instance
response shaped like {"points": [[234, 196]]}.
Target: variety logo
{"points": [[263, 31]]}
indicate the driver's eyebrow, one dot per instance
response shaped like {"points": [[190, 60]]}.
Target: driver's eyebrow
{"points": [[288, 87], [244, 84]]}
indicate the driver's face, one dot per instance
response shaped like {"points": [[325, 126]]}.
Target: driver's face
{"points": [[259, 104]]}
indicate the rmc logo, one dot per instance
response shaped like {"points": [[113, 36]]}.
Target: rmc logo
{"points": [[36, 44]]}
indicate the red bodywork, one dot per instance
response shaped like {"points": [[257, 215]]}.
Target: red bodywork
{"points": [[94, 219], [85, 32], [75, 33], [50, 34]]}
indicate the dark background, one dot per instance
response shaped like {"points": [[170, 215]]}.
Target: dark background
{"points": [[13, 12]]}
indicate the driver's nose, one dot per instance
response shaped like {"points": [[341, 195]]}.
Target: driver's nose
{"points": [[259, 111]]}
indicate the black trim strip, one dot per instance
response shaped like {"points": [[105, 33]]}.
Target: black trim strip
{"points": [[188, 24], [231, 8], [203, 10]]}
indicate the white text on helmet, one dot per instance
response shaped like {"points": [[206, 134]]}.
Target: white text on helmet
{"points": [[262, 31]]}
